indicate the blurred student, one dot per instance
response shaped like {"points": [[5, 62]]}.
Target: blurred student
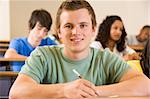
{"points": [[141, 38], [49, 70], [145, 60], [39, 24], [112, 35]]}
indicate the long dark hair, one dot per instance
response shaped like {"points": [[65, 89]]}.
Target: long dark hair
{"points": [[145, 60], [104, 33]]}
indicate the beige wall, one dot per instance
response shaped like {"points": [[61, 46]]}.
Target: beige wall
{"points": [[149, 12], [4, 20], [20, 11], [135, 13]]}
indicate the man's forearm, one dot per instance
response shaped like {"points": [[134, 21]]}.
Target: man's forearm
{"points": [[137, 86], [37, 91]]}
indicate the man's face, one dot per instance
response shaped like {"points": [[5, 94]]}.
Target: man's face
{"points": [[76, 30], [38, 33], [144, 34]]}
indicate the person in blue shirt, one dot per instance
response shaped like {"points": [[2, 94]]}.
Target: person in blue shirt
{"points": [[39, 24]]}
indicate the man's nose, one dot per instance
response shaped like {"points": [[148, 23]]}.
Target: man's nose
{"points": [[43, 33], [75, 30]]}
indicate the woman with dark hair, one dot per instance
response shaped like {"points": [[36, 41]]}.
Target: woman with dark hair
{"points": [[112, 35]]}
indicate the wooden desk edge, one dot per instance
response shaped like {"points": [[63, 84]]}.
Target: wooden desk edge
{"points": [[3, 49], [136, 47], [8, 74], [12, 59]]}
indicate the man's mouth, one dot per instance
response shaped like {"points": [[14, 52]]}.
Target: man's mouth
{"points": [[76, 39]]}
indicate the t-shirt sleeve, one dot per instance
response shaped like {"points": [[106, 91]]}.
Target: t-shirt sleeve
{"points": [[115, 67], [15, 44], [34, 66]]}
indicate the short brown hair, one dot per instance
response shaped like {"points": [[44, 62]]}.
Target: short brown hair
{"points": [[75, 5]]}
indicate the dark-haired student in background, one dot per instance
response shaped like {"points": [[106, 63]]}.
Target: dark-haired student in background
{"points": [[39, 24], [141, 38], [112, 35]]}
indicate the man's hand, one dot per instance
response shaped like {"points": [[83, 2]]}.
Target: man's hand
{"points": [[80, 88]]}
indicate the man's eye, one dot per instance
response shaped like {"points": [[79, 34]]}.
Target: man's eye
{"points": [[83, 25], [39, 28], [68, 26]]}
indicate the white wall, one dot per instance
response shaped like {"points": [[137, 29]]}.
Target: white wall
{"points": [[20, 11], [149, 12], [4, 20], [134, 13]]}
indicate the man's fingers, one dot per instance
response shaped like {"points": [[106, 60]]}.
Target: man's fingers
{"points": [[88, 90], [88, 87], [84, 94]]}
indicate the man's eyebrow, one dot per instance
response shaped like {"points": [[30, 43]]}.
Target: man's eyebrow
{"points": [[68, 23], [84, 23]]}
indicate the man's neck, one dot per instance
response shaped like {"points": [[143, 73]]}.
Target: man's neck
{"points": [[30, 41], [76, 55]]}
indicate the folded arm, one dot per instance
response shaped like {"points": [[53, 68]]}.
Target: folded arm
{"points": [[27, 88], [132, 83], [11, 53]]}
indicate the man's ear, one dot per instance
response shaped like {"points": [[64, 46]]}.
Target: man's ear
{"points": [[94, 31], [59, 34]]}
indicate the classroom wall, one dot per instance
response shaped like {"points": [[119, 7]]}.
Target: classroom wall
{"points": [[20, 11], [149, 12], [4, 20], [134, 13]]}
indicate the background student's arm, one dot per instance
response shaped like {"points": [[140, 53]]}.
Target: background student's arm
{"points": [[11, 53], [130, 54], [27, 88], [132, 83]]}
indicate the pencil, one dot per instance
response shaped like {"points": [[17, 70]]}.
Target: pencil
{"points": [[79, 75]]}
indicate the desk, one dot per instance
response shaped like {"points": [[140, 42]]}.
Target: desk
{"points": [[8, 74], [12, 59], [4, 41], [120, 98], [3, 49], [138, 48], [6, 62], [4, 45], [148, 97]]}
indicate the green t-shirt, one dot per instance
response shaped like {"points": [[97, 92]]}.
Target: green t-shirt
{"points": [[48, 65]]}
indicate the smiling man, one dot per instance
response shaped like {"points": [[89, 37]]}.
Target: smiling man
{"points": [[49, 70], [39, 24]]}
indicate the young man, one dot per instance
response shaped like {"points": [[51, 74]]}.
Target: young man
{"points": [[48, 72], [141, 38], [39, 24]]}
